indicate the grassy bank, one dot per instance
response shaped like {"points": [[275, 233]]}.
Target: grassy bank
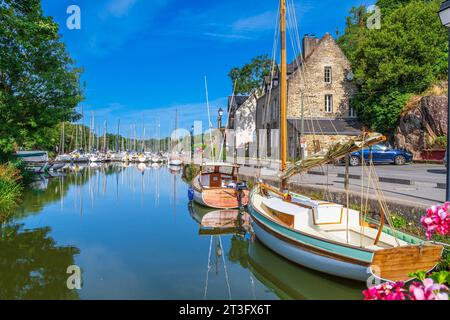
{"points": [[10, 189]]}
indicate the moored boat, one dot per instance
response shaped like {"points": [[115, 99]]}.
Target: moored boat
{"points": [[330, 237], [216, 186], [33, 156]]}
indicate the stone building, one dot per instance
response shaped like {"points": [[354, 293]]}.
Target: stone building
{"points": [[319, 90]]}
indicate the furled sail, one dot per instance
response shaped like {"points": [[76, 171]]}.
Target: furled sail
{"points": [[335, 152]]}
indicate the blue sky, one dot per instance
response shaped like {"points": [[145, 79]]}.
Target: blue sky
{"points": [[143, 59]]}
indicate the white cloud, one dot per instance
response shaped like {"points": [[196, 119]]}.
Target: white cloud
{"points": [[261, 22], [119, 8]]}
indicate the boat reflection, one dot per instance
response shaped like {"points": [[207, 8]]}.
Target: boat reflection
{"points": [[293, 282], [219, 222]]}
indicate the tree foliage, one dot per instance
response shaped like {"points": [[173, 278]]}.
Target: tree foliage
{"points": [[405, 57], [39, 82], [250, 77]]}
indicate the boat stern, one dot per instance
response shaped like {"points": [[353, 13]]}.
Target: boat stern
{"points": [[397, 264]]}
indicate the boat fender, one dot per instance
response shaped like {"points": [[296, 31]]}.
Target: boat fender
{"points": [[191, 194]]}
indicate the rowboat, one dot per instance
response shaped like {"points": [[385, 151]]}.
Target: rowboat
{"points": [[216, 187]]}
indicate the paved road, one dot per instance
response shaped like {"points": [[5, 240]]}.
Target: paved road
{"points": [[423, 190]]}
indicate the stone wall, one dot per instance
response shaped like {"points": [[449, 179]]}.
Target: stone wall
{"points": [[327, 54], [324, 141], [425, 120]]}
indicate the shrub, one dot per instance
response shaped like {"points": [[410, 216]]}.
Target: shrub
{"points": [[10, 189]]}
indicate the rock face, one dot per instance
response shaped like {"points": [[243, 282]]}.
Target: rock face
{"points": [[420, 125]]}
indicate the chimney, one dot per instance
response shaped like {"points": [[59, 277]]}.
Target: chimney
{"points": [[310, 42]]}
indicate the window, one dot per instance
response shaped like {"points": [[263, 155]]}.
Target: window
{"points": [[352, 113], [329, 103], [328, 75]]}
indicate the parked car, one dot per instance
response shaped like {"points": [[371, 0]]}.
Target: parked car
{"points": [[381, 154]]}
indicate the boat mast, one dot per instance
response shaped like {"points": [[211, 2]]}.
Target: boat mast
{"points": [[283, 89], [118, 137]]}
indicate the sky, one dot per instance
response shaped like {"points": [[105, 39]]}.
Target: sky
{"points": [[145, 59]]}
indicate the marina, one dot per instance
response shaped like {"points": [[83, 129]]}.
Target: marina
{"points": [[208, 167], [108, 219]]}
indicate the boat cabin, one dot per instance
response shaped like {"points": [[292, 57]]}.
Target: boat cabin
{"points": [[218, 175]]}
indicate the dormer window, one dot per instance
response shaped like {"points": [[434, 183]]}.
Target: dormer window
{"points": [[328, 75]]}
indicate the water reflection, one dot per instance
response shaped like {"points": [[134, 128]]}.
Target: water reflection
{"points": [[131, 230], [33, 266]]}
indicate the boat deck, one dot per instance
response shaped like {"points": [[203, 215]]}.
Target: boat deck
{"points": [[338, 231]]}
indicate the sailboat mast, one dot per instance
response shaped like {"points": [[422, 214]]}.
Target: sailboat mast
{"points": [[118, 136], [283, 87]]}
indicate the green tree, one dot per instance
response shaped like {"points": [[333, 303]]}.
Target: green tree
{"points": [[250, 77], [405, 57], [39, 82]]}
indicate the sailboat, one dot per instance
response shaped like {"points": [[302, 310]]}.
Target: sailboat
{"points": [[325, 236]]}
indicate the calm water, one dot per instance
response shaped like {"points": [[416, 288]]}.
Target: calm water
{"points": [[133, 235]]}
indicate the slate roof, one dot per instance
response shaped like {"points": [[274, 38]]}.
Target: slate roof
{"points": [[340, 126]]}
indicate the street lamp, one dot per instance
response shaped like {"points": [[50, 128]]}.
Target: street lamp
{"points": [[444, 15], [219, 119]]}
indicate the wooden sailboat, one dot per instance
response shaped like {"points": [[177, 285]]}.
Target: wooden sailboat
{"points": [[325, 236], [216, 186]]}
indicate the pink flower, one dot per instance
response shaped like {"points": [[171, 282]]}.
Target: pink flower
{"points": [[437, 220], [428, 290], [386, 291]]}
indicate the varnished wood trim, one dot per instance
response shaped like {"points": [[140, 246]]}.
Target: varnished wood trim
{"points": [[397, 263]]}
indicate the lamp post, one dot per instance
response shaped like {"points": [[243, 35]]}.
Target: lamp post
{"points": [[219, 119], [444, 15], [219, 126]]}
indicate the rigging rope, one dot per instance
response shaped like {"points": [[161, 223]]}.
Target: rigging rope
{"points": [[225, 268], [208, 268], [209, 119]]}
